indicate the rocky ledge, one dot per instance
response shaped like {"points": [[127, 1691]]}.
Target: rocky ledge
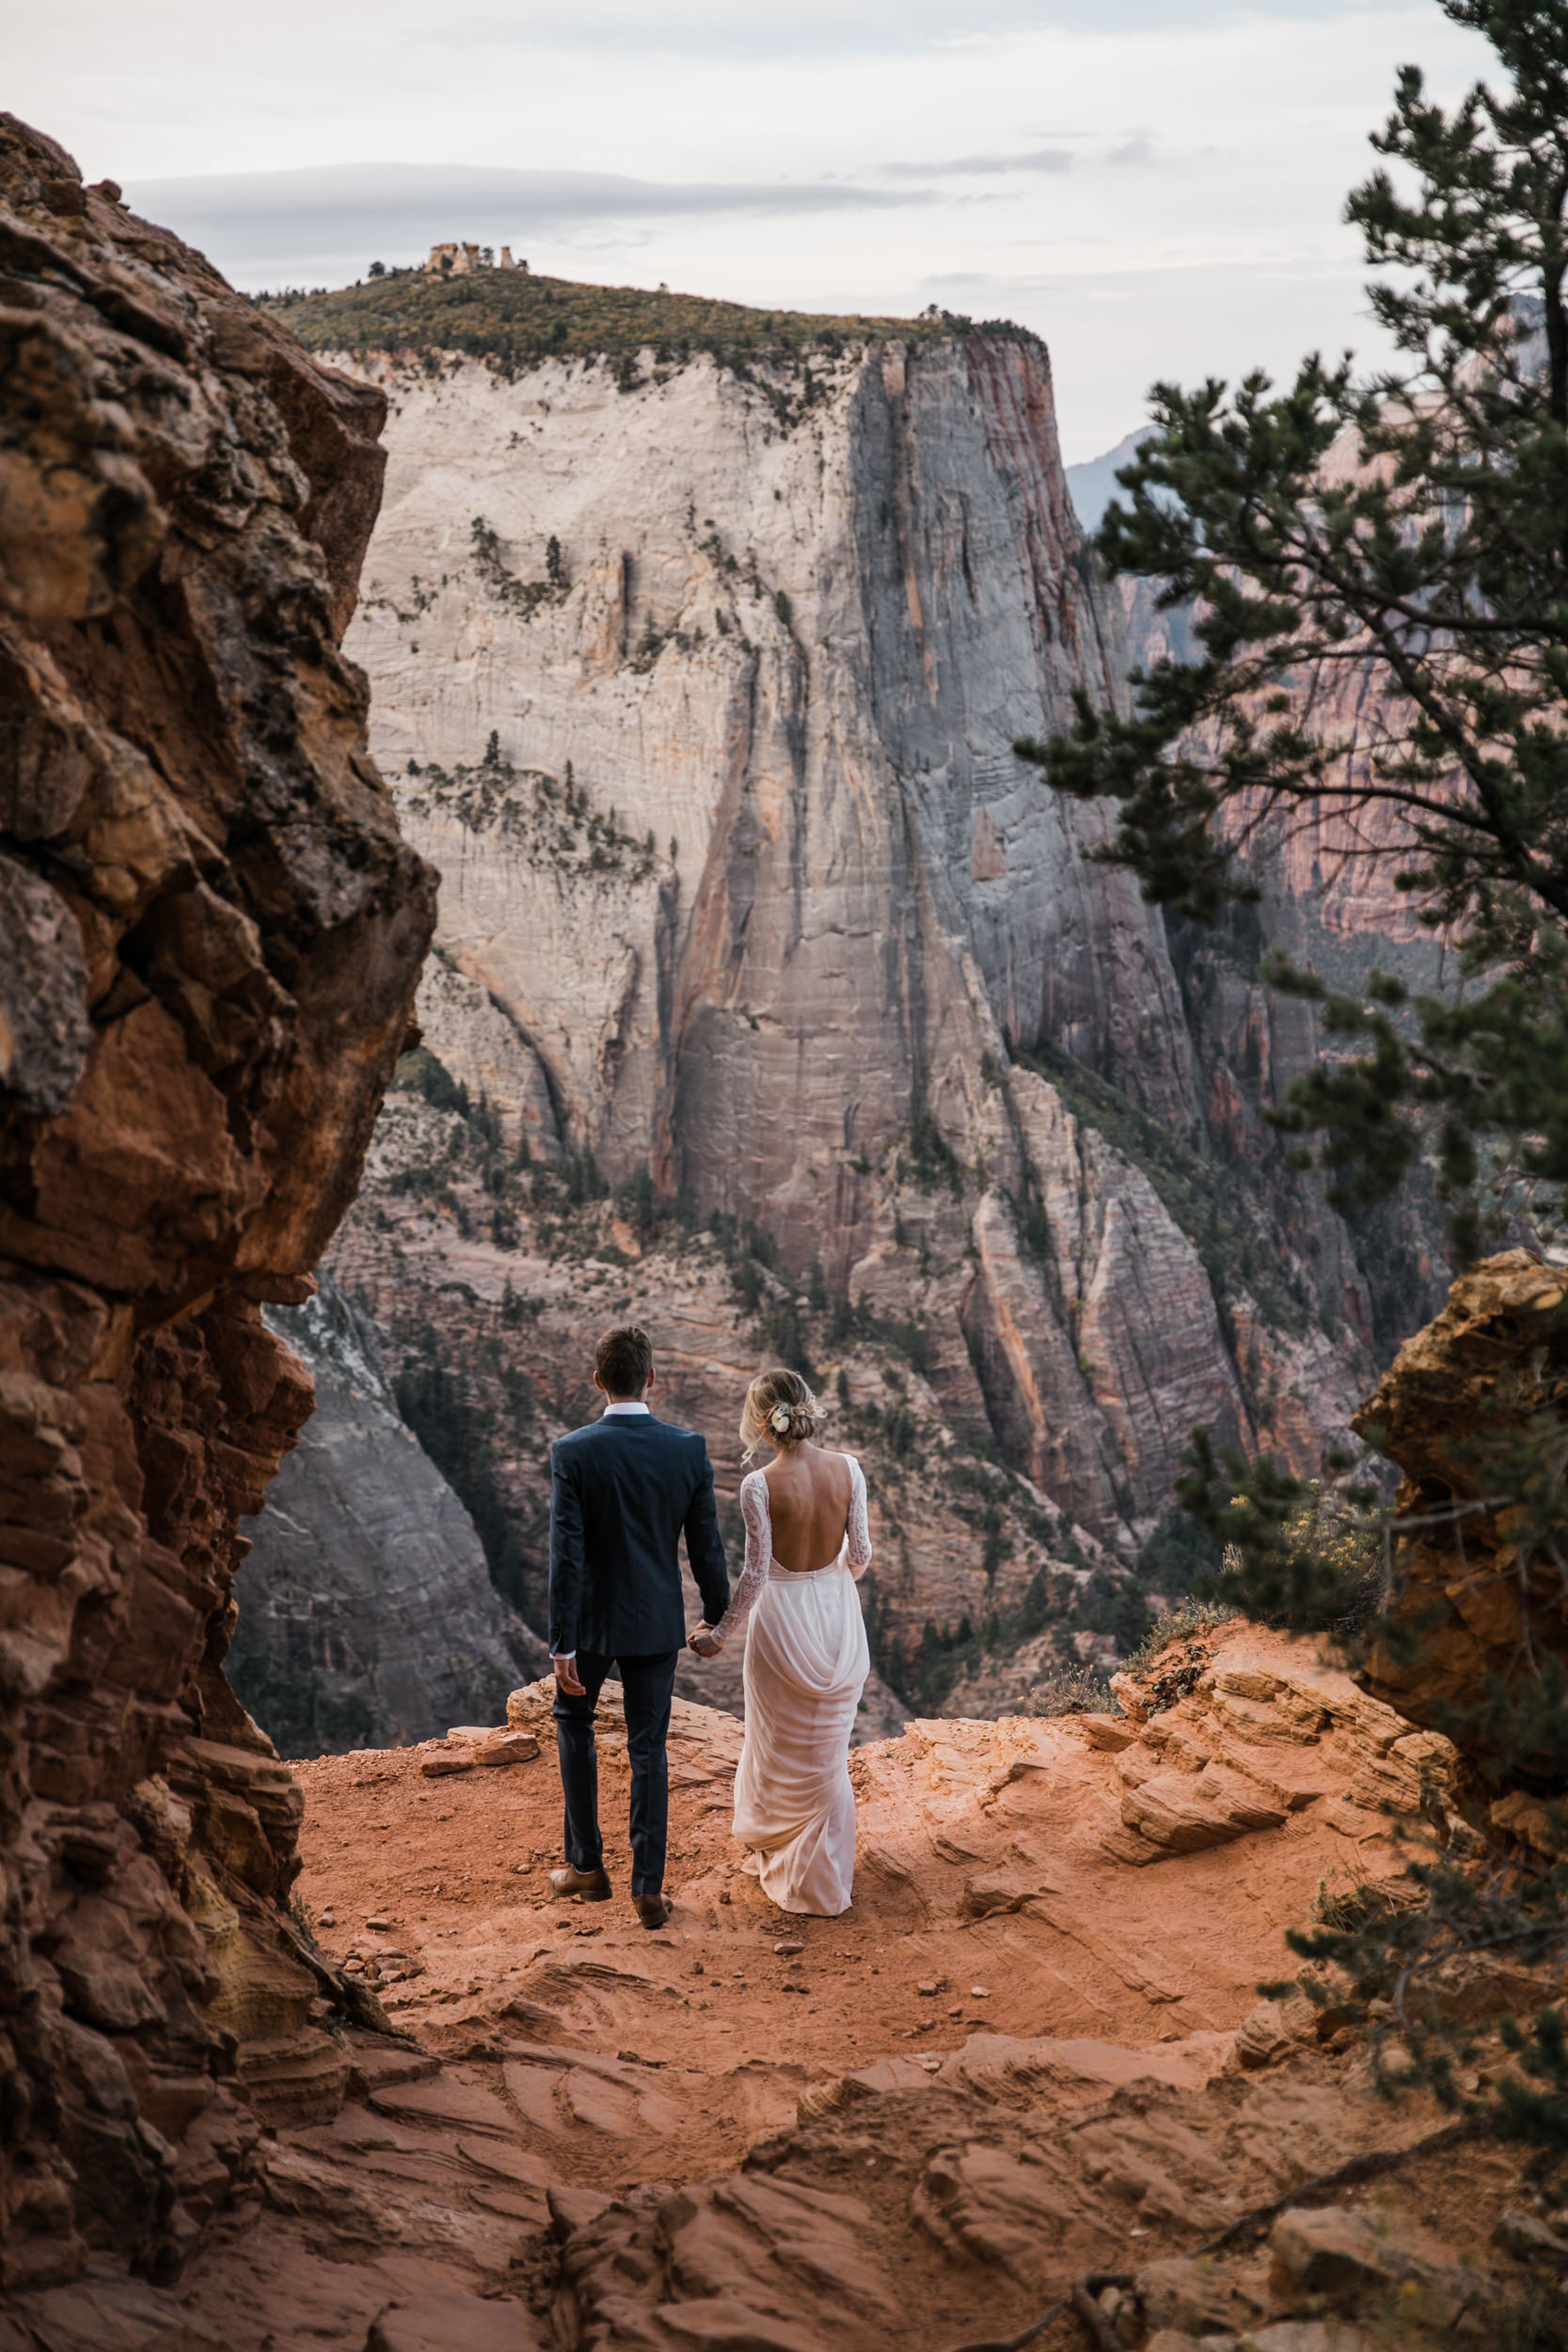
{"points": [[1032, 2059], [1478, 1590], [210, 935]]}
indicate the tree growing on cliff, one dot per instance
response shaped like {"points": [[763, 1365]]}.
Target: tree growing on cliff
{"points": [[1378, 574], [1409, 535]]}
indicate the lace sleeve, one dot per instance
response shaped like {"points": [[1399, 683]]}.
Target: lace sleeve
{"points": [[857, 1534], [759, 1554]]}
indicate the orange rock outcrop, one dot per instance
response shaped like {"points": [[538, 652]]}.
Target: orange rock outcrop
{"points": [[1033, 2048], [210, 935], [1473, 1411]]}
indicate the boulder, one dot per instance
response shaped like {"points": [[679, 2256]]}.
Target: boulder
{"points": [[1364, 2261], [1200, 2298], [507, 1747], [454, 2322], [1449, 1410]]}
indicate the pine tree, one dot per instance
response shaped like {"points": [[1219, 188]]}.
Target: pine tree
{"points": [[1397, 543], [1436, 571]]}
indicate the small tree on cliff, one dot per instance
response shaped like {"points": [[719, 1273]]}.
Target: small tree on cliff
{"points": [[1395, 549]]}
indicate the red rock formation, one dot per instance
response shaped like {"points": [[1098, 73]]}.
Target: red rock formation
{"points": [[210, 932], [1032, 2048], [1481, 1592]]}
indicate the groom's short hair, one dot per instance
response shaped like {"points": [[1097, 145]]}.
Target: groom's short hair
{"points": [[623, 1359]]}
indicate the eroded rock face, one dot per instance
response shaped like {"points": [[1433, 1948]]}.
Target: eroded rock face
{"points": [[367, 1614], [1481, 1594], [210, 932]]}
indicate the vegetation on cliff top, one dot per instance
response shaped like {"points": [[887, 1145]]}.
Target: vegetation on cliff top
{"points": [[517, 318]]}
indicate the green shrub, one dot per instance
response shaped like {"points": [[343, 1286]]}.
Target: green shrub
{"points": [[1336, 1566], [1070, 1691], [422, 1073], [524, 595], [932, 1156], [1178, 1555], [638, 1203], [1189, 1617], [515, 319], [553, 821], [582, 1178]]}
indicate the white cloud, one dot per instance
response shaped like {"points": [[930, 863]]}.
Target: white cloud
{"points": [[982, 166]]}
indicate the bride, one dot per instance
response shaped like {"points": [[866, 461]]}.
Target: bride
{"points": [[806, 1658]]}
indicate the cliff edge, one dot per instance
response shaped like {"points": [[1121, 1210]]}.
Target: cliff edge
{"points": [[1032, 2054], [209, 935]]}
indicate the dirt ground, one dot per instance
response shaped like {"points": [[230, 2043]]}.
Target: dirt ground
{"points": [[1033, 2047]]}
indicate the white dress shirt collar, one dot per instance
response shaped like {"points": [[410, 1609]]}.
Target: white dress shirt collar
{"points": [[624, 1404]]}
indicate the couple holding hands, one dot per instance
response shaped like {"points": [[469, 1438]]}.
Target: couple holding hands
{"points": [[622, 1492]]}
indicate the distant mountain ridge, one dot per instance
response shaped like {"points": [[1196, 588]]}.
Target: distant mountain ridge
{"points": [[1093, 482]]}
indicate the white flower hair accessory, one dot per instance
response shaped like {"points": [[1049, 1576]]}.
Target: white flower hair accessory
{"points": [[779, 1420]]}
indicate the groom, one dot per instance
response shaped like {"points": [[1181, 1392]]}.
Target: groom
{"points": [[621, 1492]]}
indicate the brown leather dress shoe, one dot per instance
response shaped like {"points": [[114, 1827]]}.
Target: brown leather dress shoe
{"points": [[593, 1885], [653, 1910]]}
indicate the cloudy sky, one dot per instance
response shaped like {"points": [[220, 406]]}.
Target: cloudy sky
{"points": [[1155, 185]]}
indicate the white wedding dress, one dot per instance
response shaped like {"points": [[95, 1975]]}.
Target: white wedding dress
{"points": [[806, 1664]]}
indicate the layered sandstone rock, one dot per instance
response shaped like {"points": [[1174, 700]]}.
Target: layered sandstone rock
{"points": [[1472, 1409], [700, 687], [367, 1614], [208, 944], [1032, 2049]]}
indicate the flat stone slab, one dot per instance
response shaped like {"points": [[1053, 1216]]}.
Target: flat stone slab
{"points": [[447, 2098]]}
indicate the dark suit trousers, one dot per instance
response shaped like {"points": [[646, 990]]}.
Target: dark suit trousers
{"points": [[647, 1686]]}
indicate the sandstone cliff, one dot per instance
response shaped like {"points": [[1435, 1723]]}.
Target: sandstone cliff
{"points": [[701, 692], [208, 949], [700, 683], [367, 1613]]}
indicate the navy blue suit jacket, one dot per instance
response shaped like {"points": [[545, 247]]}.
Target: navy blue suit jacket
{"points": [[623, 1491]]}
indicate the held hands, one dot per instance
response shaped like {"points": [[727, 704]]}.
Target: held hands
{"points": [[702, 1641]]}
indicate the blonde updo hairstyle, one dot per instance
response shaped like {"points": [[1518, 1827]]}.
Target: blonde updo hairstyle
{"points": [[781, 1409]]}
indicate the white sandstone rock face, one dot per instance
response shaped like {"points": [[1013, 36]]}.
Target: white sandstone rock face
{"points": [[702, 696], [485, 1051]]}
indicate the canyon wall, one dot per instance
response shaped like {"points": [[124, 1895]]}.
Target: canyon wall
{"points": [[368, 1618], [700, 686], [209, 938]]}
